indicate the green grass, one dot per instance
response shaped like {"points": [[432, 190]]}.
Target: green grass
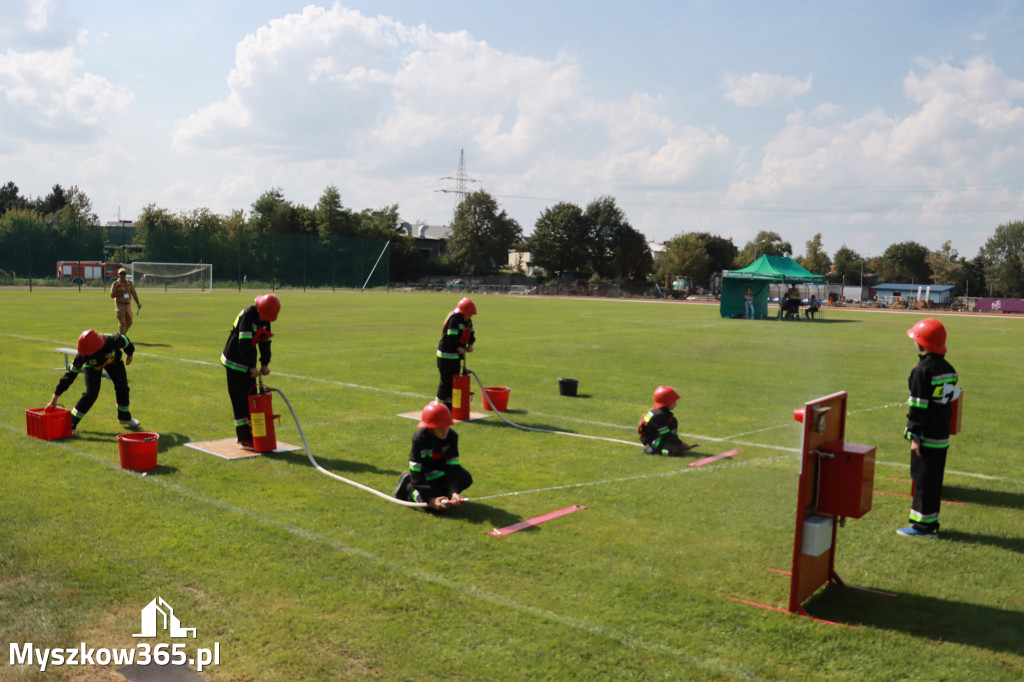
{"points": [[300, 577]]}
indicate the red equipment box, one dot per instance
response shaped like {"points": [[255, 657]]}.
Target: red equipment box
{"points": [[48, 425], [846, 480]]}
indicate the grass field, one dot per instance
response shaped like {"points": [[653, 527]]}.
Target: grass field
{"points": [[296, 576]]}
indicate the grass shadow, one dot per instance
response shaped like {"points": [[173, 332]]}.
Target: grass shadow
{"points": [[544, 427], [298, 457], [940, 620], [1011, 544], [480, 514], [162, 470], [171, 440], [991, 498]]}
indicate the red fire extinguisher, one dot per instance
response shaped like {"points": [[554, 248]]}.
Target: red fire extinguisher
{"points": [[261, 417], [461, 395]]}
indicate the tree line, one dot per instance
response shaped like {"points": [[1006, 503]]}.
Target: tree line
{"points": [[595, 242]]}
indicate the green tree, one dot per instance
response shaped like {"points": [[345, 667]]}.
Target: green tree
{"points": [[905, 262], [617, 250], [481, 234], [271, 212], [379, 223], [158, 231], [1003, 256], [721, 252], [766, 242], [10, 198], [815, 260], [332, 218], [52, 202], [848, 266], [948, 267], [559, 240], [631, 258], [685, 255]]}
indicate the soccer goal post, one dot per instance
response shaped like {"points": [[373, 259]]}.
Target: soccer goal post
{"points": [[196, 276]]}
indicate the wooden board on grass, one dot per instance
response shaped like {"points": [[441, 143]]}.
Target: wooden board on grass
{"points": [[228, 448]]}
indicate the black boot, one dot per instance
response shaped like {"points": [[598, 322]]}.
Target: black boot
{"points": [[402, 489]]}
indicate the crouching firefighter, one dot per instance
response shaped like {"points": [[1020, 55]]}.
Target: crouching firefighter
{"points": [[659, 428], [435, 474]]}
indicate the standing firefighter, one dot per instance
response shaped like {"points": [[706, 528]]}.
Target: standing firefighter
{"points": [[932, 390], [658, 428], [251, 331], [123, 291], [96, 353], [435, 474], [457, 339]]}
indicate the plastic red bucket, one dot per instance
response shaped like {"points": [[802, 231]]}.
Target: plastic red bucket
{"points": [[138, 450], [498, 396], [48, 424]]}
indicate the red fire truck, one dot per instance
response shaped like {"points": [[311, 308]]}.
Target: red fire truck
{"points": [[86, 270]]}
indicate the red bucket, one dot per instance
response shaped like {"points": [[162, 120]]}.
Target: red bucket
{"points": [[48, 424], [498, 396], [138, 450]]}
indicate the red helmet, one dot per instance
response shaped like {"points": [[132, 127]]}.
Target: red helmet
{"points": [[268, 306], [930, 335], [90, 342], [435, 416], [466, 307], [664, 396]]}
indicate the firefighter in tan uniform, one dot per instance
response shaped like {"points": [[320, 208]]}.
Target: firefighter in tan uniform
{"points": [[123, 291]]}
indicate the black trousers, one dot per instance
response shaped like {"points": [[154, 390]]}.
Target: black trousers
{"points": [[94, 381], [669, 445], [239, 385], [447, 369], [455, 480], [927, 472]]}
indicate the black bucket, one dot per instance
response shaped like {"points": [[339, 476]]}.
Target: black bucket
{"points": [[568, 386]]}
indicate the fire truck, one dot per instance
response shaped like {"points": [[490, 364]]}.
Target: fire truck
{"points": [[79, 271]]}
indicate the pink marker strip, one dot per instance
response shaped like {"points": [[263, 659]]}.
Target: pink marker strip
{"points": [[508, 530]]}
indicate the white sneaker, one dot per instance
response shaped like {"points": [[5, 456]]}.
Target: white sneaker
{"points": [[132, 423]]}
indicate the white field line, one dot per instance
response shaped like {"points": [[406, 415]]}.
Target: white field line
{"points": [[462, 587]]}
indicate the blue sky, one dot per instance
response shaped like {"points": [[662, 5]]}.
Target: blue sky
{"points": [[870, 122]]}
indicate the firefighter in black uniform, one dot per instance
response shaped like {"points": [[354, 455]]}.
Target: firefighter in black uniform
{"points": [[932, 390], [435, 475], [658, 428], [457, 339], [96, 353], [251, 331]]}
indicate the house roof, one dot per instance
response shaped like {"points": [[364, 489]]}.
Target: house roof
{"points": [[424, 231], [889, 286]]}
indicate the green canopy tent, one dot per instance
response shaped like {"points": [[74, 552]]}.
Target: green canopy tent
{"points": [[758, 275]]}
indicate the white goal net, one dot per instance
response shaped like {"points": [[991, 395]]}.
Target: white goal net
{"points": [[197, 276]]}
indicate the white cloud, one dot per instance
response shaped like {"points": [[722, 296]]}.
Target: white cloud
{"points": [[926, 167], [763, 89], [367, 102], [47, 95], [37, 24]]}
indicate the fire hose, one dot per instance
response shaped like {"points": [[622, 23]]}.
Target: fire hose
{"points": [[333, 475]]}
